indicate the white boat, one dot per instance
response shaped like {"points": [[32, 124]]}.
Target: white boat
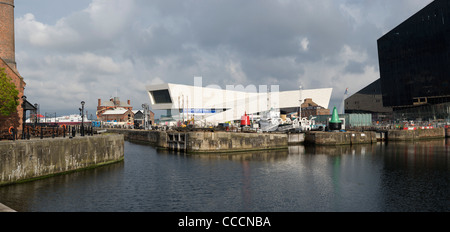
{"points": [[270, 120]]}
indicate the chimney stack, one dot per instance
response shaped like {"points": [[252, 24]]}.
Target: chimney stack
{"points": [[7, 43]]}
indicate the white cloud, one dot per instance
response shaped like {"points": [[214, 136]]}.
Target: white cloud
{"points": [[348, 54], [109, 18], [235, 72], [304, 44], [353, 14], [59, 82], [89, 62], [122, 45], [29, 30], [331, 72], [155, 81]]}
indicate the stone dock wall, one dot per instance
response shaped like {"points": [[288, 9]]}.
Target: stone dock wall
{"points": [[27, 160], [349, 138], [221, 141], [411, 135], [198, 142], [340, 138], [207, 141], [154, 138]]}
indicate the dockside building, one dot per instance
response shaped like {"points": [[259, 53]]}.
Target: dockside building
{"points": [[414, 60], [369, 100], [213, 105]]}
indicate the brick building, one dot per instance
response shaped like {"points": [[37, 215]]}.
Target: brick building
{"points": [[119, 115], [310, 108], [8, 62], [114, 110]]}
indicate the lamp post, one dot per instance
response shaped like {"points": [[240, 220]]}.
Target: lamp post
{"points": [[82, 118], [24, 99], [35, 114], [301, 101]]}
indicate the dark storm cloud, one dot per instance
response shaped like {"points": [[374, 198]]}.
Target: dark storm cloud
{"points": [[256, 28], [256, 34]]}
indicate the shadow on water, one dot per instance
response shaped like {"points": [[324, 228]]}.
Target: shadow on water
{"points": [[27, 197]]}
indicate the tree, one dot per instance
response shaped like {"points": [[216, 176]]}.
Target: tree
{"points": [[9, 95]]}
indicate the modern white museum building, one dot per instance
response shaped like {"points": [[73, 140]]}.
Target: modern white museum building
{"points": [[214, 105]]}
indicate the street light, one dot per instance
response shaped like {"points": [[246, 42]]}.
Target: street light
{"points": [[301, 101], [24, 99], [35, 114], [82, 117]]}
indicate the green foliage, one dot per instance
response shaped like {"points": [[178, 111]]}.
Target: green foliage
{"points": [[9, 95]]}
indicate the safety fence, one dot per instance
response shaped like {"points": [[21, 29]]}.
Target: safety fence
{"points": [[41, 132]]}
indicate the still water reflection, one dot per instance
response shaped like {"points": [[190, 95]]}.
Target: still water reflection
{"points": [[371, 178]]}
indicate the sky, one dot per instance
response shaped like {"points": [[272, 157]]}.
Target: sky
{"points": [[71, 51]]}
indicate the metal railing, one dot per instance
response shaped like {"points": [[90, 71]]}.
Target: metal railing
{"points": [[46, 131]]}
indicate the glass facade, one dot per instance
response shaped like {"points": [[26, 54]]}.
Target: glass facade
{"points": [[424, 113], [161, 96], [414, 59]]}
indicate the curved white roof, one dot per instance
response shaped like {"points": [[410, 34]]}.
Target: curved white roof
{"points": [[237, 100]]}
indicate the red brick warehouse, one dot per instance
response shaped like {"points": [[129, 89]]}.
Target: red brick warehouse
{"points": [[115, 110]]}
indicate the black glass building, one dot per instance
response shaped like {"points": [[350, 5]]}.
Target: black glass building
{"points": [[369, 101], [414, 60]]}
